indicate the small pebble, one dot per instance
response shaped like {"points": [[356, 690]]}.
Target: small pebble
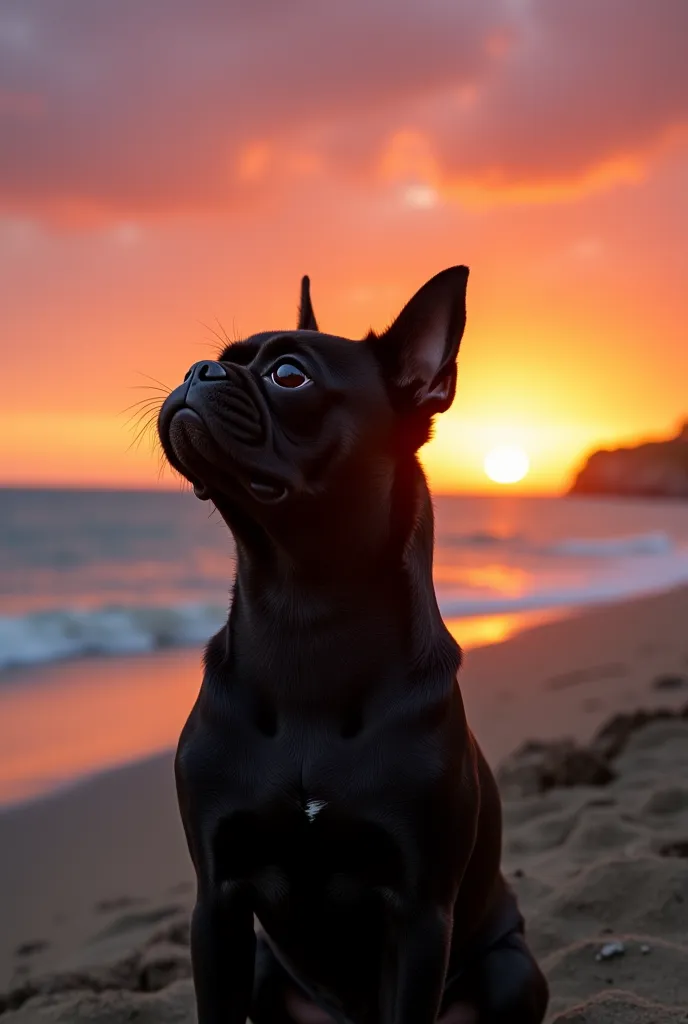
{"points": [[611, 950], [645, 949], [29, 948], [670, 683]]}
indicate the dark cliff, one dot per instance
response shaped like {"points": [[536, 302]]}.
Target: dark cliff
{"points": [[655, 469]]}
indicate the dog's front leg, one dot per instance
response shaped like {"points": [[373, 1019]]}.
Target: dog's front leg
{"points": [[223, 945], [423, 941]]}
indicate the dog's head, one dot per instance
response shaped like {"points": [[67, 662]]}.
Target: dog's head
{"points": [[291, 422]]}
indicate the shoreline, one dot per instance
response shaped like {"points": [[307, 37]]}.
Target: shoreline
{"points": [[118, 711]]}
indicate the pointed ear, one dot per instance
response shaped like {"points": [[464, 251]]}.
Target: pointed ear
{"points": [[307, 321], [418, 352]]}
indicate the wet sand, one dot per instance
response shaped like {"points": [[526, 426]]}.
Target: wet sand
{"points": [[115, 711]]}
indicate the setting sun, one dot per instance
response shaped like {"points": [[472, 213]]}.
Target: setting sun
{"points": [[506, 464]]}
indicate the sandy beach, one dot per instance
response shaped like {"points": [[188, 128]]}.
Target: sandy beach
{"points": [[95, 883]]}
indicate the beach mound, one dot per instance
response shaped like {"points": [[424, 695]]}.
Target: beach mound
{"points": [[654, 469], [596, 847]]}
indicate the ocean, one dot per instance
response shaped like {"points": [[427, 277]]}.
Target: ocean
{"points": [[110, 573], [106, 599]]}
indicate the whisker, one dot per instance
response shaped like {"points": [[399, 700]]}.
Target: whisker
{"points": [[141, 431], [144, 403], [222, 338], [139, 414], [143, 437], [145, 419], [136, 443], [147, 415], [223, 331], [162, 462], [148, 400], [155, 380]]}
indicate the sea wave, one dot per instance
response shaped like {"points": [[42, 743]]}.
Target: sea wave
{"points": [[47, 636], [655, 543], [624, 567]]}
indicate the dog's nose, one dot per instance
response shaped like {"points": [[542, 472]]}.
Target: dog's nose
{"points": [[205, 370]]}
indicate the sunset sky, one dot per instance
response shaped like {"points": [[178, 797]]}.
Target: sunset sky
{"points": [[168, 167]]}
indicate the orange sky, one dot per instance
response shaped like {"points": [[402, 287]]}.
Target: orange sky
{"points": [[167, 166]]}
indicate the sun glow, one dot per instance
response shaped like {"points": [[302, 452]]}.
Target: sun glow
{"points": [[506, 464]]}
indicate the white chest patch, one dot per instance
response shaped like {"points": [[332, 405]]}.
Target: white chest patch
{"points": [[314, 807]]}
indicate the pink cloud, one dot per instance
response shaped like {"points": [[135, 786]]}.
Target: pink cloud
{"points": [[147, 110]]}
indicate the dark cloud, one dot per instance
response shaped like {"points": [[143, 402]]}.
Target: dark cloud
{"points": [[130, 108]]}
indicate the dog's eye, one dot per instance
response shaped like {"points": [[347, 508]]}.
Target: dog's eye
{"points": [[289, 376]]}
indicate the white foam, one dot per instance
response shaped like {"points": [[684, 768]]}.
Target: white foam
{"points": [[656, 543], [41, 637]]}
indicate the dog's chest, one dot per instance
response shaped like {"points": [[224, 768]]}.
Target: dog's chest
{"points": [[308, 852], [306, 814]]}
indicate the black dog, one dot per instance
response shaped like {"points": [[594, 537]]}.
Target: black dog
{"points": [[327, 779]]}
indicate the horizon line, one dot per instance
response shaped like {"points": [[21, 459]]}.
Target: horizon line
{"points": [[104, 488]]}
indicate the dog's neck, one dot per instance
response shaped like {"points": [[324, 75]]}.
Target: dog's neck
{"points": [[362, 606]]}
